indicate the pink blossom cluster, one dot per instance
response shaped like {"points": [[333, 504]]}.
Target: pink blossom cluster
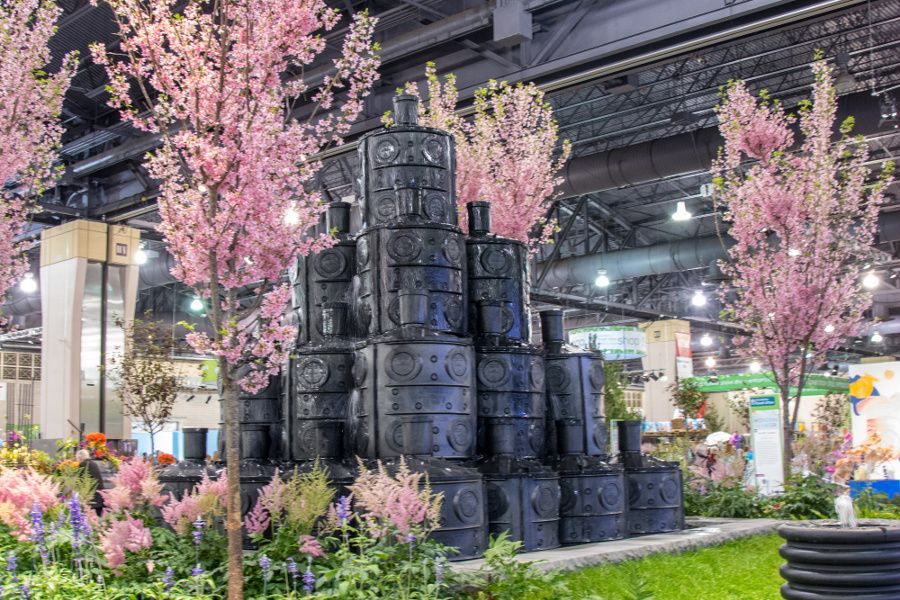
{"points": [[30, 129], [206, 500], [135, 485], [803, 220], [236, 164], [402, 502], [126, 534], [20, 491], [507, 154], [270, 502]]}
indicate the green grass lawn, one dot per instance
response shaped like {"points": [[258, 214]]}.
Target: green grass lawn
{"points": [[744, 569]]}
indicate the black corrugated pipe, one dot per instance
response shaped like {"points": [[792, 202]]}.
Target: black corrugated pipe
{"points": [[158, 271], [683, 153], [669, 257]]}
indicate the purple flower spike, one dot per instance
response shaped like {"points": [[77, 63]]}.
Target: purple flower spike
{"points": [[168, 578], [343, 509], [309, 581]]}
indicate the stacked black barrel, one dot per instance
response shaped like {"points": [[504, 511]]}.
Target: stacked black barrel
{"points": [[523, 493], [319, 376], [655, 489], [414, 374], [593, 492], [414, 341]]}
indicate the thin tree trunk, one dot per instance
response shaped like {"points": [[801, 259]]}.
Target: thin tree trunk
{"points": [[232, 465], [787, 430], [152, 449]]}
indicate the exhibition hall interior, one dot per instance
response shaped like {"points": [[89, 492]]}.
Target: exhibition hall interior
{"points": [[475, 299]]}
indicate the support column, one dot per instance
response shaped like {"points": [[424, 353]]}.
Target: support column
{"points": [[88, 279], [668, 352]]}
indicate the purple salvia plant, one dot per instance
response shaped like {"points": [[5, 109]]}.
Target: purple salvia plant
{"points": [[343, 510], [198, 531], [292, 569], [309, 580], [197, 571], [37, 531], [167, 578]]}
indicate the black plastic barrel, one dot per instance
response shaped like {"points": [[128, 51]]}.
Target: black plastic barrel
{"points": [[194, 443], [827, 562]]}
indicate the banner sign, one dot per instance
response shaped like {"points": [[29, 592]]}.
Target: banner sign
{"points": [[875, 402], [684, 363], [816, 384], [616, 343], [767, 443]]}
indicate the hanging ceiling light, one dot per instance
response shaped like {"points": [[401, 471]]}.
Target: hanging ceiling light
{"points": [[699, 298], [877, 338], [706, 340], [710, 362], [602, 280], [28, 284], [291, 216], [140, 257], [681, 212], [196, 304], [871, 280], [754, 366]]}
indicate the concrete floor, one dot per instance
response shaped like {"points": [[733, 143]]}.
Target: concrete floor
{"points": [[699, 533]]}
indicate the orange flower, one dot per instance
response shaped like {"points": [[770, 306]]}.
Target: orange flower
{"points": [[95, 439], [165, 458]]}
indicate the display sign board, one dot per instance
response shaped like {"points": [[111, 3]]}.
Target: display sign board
{"points": [[616, 343], [815, 385], [684, 362], [768, 443], [875, 402]]}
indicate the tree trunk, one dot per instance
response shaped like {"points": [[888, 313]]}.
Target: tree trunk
{"points": [[232, 464], [152, 449], [787, 430]]}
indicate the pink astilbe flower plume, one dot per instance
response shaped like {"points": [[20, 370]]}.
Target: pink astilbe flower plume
{"points": [[21, 490], [135, 485], [401, 502], [127, 534]]}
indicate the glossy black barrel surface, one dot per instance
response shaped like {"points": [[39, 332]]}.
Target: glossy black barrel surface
{"points": [[414, 374]]}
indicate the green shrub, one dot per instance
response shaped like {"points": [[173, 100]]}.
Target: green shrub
{"points": [[505, 578], [804, 497], [872, 505]]}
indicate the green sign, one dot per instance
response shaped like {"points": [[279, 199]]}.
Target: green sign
{"points": [[816, 385], [209, 370]]}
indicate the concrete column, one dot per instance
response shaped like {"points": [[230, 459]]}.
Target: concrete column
{"points": [[87, 280], [663, 357]]}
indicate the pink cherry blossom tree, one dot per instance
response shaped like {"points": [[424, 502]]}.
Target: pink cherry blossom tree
{"points": [[506, 154], [803, 219], [218, 82], [30, 129]]}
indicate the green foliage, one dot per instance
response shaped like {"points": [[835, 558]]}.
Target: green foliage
{"points": [[871, 505], [740, 406], [686, 396], [727, 499], [804, 497], [306, 499], [614, 405], [503, 576]]}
